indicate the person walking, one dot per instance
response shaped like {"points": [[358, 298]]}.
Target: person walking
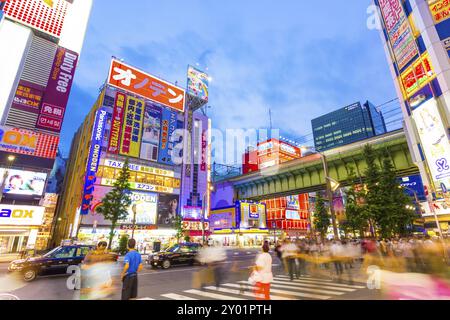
{"points": [[133, 265], [290, 251], [263, 273]]}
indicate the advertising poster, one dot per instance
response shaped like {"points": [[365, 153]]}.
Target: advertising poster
{"points": [[144, 206], [130, 79], [197, 83], [192, 212], [139, 168], [292, 202], [93, 160], [435, 143], [57, 93], [26, 183], [440, 10], [253, 215], [204, 158], [167, 210], [417, 76], [117, 123], [132, 128], [399, 31], [168, 126], [28, 142], [292, 215], [28, 97], [413, 186], [151, 135], [218, 221]]}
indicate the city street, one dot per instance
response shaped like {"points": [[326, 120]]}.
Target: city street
{"points": [[177, 284]]}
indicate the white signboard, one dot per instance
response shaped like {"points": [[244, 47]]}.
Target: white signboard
{"points": [[21, 215], [435, 143]]}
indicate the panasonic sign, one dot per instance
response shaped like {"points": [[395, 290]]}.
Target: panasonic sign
{"points": [[21, 215]]}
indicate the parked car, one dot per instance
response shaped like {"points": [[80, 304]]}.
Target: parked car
{"points": [[57, 261], [184, 253]]}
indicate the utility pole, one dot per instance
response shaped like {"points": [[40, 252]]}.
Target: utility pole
{"points": [[330, 195]]}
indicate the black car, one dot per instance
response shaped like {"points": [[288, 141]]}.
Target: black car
{"points": [[54, 262], [184, 253]]}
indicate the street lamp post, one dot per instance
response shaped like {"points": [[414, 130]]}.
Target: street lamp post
{"points": [[329, 195], [11, 159]]}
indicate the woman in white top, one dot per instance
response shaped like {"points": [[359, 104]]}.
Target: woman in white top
{"points": [[264, 276]]}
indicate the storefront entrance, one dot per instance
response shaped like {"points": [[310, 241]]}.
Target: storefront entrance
{"points": [[13, 242]]}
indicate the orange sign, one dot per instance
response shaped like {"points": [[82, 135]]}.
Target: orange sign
{"points": [[130, 79]]}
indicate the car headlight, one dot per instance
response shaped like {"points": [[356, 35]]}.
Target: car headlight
{"points": [[14, 266], [156, 258]]}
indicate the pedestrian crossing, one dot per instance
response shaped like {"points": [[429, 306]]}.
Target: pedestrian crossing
{"points": [[282, 288]]}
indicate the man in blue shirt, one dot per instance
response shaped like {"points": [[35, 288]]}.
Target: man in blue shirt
{"points": [[133, 264]]}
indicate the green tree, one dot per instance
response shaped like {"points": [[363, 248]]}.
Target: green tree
{"points": [[178, 224], [321, 216], [115, 204], [123, 244], [396, 217], [354, 211], [373, 198]]}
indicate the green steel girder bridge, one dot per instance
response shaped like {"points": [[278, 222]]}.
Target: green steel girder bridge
{"points": [[307, 174]]}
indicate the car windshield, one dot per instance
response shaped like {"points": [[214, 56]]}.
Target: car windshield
{"points": [[174, 248], [48, 254]]}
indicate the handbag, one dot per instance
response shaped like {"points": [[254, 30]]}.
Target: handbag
{"points": [[255, 277]]}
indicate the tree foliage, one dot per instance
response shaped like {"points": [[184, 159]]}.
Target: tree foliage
{"points": [[115, 204], [356, 219], [321, 216], [179, 228]]}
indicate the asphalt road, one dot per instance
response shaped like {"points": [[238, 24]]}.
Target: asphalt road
{"points": [[177, 283]]}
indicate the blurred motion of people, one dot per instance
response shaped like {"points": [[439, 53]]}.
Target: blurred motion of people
{"points": [[262, 273], [96, 280], [212, 257], [129, 276], [289, 252]]}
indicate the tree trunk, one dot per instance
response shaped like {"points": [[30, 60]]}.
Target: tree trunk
{"points": [[111, 235]]}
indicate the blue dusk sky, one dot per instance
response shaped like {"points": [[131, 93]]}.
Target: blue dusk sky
{"points": [[299, 58]]}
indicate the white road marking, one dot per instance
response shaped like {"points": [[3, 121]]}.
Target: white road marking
{"points": [[310, 285], [243, 293], [307, 280], [211, 295], [145, 299], [175, 296], [303, 289]]}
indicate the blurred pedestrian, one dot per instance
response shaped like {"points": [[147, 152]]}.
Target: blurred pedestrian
{"points": [[263, 274], [290, 252], [133, 265]]}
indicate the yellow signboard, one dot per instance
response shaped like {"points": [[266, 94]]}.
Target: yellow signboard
{"points": [[440, 10], [132, 128], [419, 74]]}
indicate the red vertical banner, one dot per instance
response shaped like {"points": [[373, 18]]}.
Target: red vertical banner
{"points": [[116, 123]]}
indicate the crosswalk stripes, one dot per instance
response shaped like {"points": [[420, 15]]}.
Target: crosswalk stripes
{"points": [[282, 288]]}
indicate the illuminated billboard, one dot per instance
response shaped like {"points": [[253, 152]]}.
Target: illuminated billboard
{"points": [[168, 210], [417, 76], [253, 215], [25, 183], [440, 10], [435, 142], [28, 142], [11, 215], [28, 97], [132, 128], [151, 134], [144, 206], [139, 168], [117, 123], [128, 78], [399, 31], [58, 89], [44, 15], [197, 83]]}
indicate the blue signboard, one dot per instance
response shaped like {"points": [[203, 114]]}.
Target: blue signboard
{"points": [[94, 159], [413, 184], [168, 127]]}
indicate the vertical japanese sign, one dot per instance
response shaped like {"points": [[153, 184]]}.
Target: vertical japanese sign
{"points": [[128, 78], [435, 142], [168, 126], [58, 90], [117, 123], [399, 31], [132, 128], [204, 165], [93, 160], [151, 135], [197, 83]]}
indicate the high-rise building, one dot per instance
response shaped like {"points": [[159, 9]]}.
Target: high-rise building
{"points": [[40, 43], [416, 38], [347, 125], [142, 118]]}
